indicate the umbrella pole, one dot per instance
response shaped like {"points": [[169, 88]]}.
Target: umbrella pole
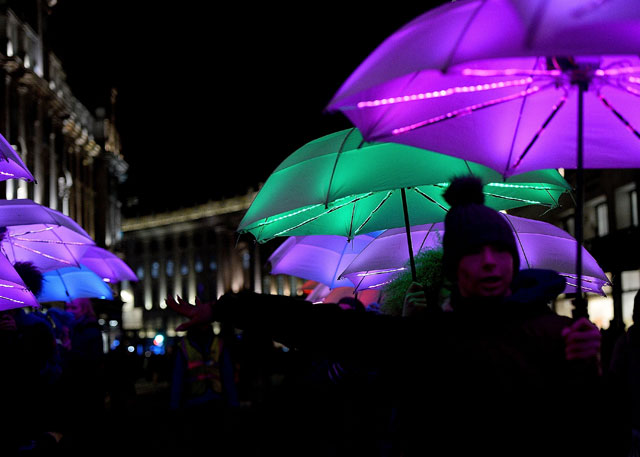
{"points": [[407, 227], [580, 306]]}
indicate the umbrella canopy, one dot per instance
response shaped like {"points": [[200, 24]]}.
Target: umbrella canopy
{"points": [[107, 265], [40, 235], [499, 82], [318, 257], [540, 245], [69, 283], [13, 292], [11, 165], [341, 185], [515, 84]]}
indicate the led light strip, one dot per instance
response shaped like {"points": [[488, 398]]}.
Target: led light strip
{"points": [[444, 93], [467, 110]]}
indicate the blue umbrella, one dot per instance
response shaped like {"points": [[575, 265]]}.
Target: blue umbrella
{"points": [[69, 283]]}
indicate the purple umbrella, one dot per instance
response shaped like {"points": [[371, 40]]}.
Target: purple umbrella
{"points": [[11, 165], [540, 244], [13, 292], [45, 237], [318, 257], [515, 85], [107, 265]]}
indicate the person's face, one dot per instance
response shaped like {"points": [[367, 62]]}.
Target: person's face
{"points": [[74, 308], [486, 273]]}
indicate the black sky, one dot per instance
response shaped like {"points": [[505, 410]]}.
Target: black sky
{"points": [[212, 98]]}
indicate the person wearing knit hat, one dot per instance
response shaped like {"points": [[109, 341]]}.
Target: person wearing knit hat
{"points": [[482, 237], [499, 373]]}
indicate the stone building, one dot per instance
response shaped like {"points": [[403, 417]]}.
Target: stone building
{"points": [[192, 252], [70, 151]]}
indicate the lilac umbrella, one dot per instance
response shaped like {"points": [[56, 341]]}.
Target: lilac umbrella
{"points": [[107, 265], [540, 245], [318, 257], [13, 292], [11, 165], [515, 85], [45, 237]]}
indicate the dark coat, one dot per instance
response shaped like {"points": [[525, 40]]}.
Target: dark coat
{"points": [[488, 378]]}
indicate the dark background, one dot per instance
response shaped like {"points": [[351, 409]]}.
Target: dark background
{"points": [[212, 98]]}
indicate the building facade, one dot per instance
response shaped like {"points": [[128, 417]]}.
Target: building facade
{"points": [[191, 252], [70, 151]]}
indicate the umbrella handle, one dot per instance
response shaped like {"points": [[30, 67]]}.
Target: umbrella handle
{"points": [[407, 227]]}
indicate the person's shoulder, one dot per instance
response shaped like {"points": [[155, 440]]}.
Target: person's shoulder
{"points": [[537, 285]]}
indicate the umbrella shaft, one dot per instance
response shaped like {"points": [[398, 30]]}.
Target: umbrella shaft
{"points": [[407, 226], [580, 306]]}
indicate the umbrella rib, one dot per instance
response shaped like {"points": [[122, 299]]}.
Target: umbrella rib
{"points": [[430, 199], [311, 219], [518, 238], [619, 116], [353, 210], [461, 37], [424, 240], [43, 254], [374, 211], [335, 165], [64, 284], [554, 111], [524, 200], [468, 110], [515, 133]]}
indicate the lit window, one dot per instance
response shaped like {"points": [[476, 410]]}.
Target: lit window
{"points": [[602, 219], [140, 273], [626, 206], [155, 269], [169, 268], [198, 266]]}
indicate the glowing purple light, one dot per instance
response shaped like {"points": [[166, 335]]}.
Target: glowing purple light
{"points": [[444, 92], [509, 72], [617, 71], [466, 110]]}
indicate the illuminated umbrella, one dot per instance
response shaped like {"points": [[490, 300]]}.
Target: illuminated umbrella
{"points": [[11, 165], [340, 185], [69, 283], [318, 257], [107, 265], [516, 85], [13, 292], [45, 237], [540, 245]]}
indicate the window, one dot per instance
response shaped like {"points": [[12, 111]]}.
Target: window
{"points": [[569, 225], [602, 219], [626, 206], [630, 283]]}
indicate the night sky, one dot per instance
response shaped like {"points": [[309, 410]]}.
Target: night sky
{"points": [[212, 98]]}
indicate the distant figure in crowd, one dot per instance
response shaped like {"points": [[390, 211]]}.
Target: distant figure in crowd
{"points": [[624, 371], [501, 374], [203, 390], [84, 375]]}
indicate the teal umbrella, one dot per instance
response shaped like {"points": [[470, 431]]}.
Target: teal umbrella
{"points": [[341, 185]]}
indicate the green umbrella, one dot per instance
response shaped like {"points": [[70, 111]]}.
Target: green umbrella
{"points": [[341, 185]]}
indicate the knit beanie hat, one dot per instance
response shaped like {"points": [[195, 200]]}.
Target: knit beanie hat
{"points": [[470, 224]]}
